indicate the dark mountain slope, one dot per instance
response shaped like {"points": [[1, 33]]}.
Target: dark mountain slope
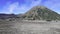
{"points": [[7, 16]]}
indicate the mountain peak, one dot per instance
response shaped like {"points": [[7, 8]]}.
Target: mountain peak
{"points": [[41, 7], [41, 13]]}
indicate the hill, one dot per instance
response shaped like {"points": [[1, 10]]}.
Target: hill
{"points": [[41, 13], [7, 16]]}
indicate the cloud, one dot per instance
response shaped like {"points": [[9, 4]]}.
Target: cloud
{"points": [[16, 8], [12, 7], [9, 8], [22, 6]]}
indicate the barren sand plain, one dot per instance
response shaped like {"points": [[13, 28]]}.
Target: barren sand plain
{"points": [[29, 27]]}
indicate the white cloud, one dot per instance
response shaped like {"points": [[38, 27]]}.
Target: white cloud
{"points": [[12, 7], [9, 8], [16, 8]]}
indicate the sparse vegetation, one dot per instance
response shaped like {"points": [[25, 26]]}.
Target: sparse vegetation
{"points": [[48, 20], [41, 14]]}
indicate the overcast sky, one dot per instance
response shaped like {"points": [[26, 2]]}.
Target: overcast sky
{"points": [[21, 6]]}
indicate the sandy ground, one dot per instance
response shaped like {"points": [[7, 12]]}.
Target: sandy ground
{"points": [[30, 27]]}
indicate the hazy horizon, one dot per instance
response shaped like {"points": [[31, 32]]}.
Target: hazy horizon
{"points": [[22, 6]]}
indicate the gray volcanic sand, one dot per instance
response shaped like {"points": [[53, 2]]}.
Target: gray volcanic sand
{"points": [[29, 27]]}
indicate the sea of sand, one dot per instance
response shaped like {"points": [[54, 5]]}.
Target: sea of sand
{"points": [[29, 27]]}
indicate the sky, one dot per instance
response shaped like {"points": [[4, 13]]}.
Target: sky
{"points": [[22, 6]]}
